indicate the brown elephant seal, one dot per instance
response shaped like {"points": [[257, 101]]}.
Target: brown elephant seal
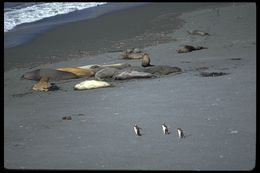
{"points": [[91, 84], [188, 48], [78, 71], [50, 73], [198, 32], [146, 60], [42, 85]]}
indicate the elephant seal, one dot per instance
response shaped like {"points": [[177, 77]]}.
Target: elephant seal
{"points": [[188, 48], [146, 60], [50, 73], [91, 84], [94, 66], [198, 32], [78, 71], [42, 85], [132, 75], [106, 73], [133, 56]]}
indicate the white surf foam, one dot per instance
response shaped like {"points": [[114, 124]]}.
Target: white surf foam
{"points": [[38, 11]]}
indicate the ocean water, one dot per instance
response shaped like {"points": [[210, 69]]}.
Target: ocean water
{"points": [[19, 13], [25, 21]]}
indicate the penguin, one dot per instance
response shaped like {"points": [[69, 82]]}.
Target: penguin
{"points": [[165, 129], [137, 130], [146, 60], [180, 133]]}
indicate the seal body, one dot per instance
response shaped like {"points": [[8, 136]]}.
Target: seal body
{"points": [[42, 85], [91, 84], [146, 60], [131, 75], [106, 73], [78, 71], [180, 133], [165, 129], [188, 48], [137, 130], [50, 73]]}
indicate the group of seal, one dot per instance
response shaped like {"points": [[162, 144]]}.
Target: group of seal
{"points": [[165, 129], [101, 73], [189, 48]]}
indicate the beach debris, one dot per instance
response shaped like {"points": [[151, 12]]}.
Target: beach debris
{"points": [[131, 75], [80, 72], [165, 129], [198, 32], [91, 84], [180, 133], [235, 58], [162, 70], [189, 48], [66, 118], [137, 130], [212, 74]]}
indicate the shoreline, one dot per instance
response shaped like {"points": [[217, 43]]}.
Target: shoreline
{"points": [[52, 46], [214, 112]]}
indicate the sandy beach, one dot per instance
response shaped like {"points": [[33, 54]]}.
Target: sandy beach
{"points": [[217, 113]]}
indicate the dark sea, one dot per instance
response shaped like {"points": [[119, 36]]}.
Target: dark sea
{"points": [[25, 21]]}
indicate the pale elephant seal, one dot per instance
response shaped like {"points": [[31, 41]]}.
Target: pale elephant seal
{"points": [[50, 73], [188, 48], [146, 60], [91, 84], [78, 71], [132, 75], [198, 32]]}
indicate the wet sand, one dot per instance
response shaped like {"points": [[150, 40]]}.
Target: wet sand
{"points": [[218, 114]]}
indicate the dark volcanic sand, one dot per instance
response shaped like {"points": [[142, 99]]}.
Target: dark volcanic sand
{"points": [[217, 113]]}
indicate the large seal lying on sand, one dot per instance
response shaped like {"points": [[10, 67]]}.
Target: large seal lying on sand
{"points": [[78, 71], [188, 48], [198, 32], [50, 73], [106, 73], [91, 84], [132, 75]]}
